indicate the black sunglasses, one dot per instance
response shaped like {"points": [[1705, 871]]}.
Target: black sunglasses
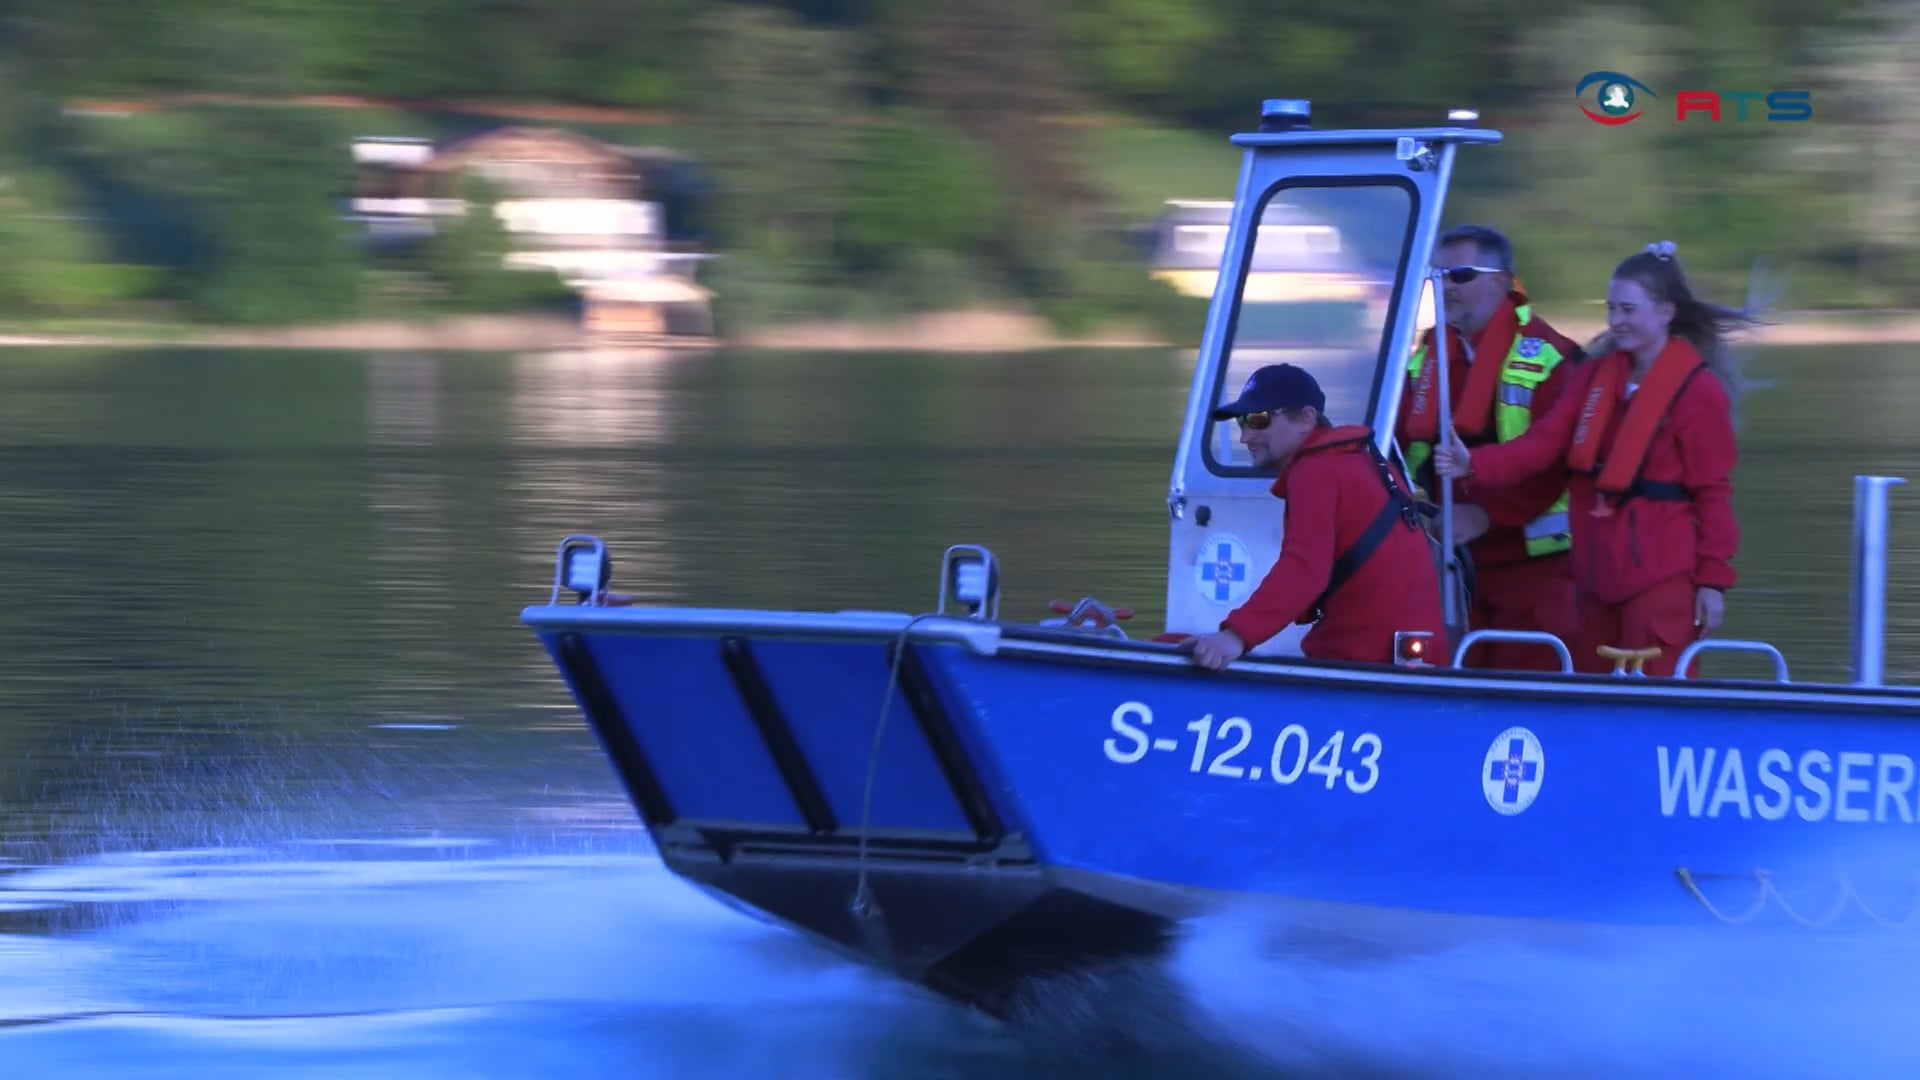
{"points": [[1258, 421], [1460, 275]]}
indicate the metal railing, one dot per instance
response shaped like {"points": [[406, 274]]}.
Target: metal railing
{"points": [[1731, 645], [1539, 637]]}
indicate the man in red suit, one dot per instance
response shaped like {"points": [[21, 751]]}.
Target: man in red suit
{"points": [[1354, 553], [1505, 368]]}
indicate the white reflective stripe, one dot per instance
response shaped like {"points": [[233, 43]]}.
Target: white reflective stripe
{"points": [[1547, 525], [1515, 395]]}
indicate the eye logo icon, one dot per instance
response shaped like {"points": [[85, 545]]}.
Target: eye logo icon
{"points": [[1615, 96]]}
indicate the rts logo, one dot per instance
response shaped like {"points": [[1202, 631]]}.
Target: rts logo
{"points": [[1615, 97]]}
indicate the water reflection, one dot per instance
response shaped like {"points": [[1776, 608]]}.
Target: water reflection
{"points": [[403, 399], [409, 505], [594, 421], [595, 397]]}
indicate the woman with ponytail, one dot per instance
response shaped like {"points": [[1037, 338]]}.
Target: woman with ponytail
{"points": [[1646, 440]]}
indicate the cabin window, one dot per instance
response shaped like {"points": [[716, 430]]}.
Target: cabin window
{"points": [[1317, 291]]}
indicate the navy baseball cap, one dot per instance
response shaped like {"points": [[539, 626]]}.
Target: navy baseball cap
{"points": [[1274, 387]]}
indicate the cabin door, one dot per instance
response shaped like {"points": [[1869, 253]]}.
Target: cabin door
{"points": [[1328, 300]]}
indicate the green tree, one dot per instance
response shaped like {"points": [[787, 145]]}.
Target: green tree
{"points": [[468, 253], [55, 261], [266, 189], [994, 71], [1865, 153], [774, 113], [915, 186], [1142, 51], [54, 265], [1576, 197]]}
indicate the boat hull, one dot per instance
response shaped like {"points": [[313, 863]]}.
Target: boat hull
{"points": [[1038, 801]]}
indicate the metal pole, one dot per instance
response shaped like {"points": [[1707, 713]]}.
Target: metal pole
{"points": [[1870, 576], [1450, 611], [1450, 589]]}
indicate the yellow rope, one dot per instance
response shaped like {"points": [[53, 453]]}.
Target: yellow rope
{"points": [[1767, 891], [1759, 902]]}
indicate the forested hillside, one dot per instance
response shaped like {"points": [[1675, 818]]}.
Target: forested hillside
{"points": [[890, 155]]}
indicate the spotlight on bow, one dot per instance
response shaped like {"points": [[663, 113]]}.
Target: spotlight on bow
{"points": [[583, 569], [970, 579]]}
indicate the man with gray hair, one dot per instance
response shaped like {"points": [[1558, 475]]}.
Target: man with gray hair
{"points": [[1506, 366]]}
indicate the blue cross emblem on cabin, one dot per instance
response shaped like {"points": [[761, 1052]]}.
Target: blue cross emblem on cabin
{"points": [[1222, 569], [1513, 770], [1224, 572]]}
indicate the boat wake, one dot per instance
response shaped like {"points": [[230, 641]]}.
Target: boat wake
{"points": [[547, 964], [1725, 1004]]}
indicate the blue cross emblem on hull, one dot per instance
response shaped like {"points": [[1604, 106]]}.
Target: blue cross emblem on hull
{"points": [[1513, 770]]}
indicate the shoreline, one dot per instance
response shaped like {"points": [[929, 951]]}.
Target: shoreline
{"points": [[979, 330]]}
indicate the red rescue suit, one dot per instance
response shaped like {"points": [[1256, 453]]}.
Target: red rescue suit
{"points": [[1650, 497], [1512, 590], [1335, 490]]}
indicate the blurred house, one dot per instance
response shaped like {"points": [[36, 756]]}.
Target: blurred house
{"points": [[1295, 257], [1298, 259], [586, 210]]}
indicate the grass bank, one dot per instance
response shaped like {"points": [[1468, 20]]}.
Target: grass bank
{"points": [[969, 330]]}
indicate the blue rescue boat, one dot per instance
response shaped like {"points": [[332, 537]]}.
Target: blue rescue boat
{"points": [[974, 802]]}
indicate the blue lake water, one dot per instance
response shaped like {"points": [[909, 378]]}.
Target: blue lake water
{"points": [[286, 790]]}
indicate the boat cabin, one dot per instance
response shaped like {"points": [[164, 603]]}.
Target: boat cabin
{"points": [[1383, 193]]}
